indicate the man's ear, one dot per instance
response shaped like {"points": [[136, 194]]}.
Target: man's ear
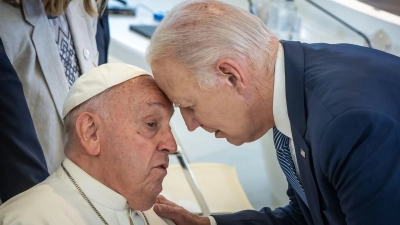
{"points": [[87, 129], [232, 72]]}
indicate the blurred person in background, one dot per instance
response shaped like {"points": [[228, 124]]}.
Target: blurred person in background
{"points": [[22, 161], [103, 35], [50, 43]]}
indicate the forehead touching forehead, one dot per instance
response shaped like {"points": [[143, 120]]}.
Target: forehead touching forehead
{"points": [[141, 90], [174, 78]]}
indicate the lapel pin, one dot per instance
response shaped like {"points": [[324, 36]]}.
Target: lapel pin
{"points": [[303, 153]]}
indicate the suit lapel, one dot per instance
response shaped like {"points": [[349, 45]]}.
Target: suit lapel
{"points": [[82, 35], [295, 97], [47, 53]]}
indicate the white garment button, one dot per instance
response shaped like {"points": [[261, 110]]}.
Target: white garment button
{"points": [[86, 53]]}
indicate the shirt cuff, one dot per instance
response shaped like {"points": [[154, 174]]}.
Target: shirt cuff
{"points": [[212, 220]]}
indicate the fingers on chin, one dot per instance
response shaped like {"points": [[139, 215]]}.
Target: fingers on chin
{"points": [[166, 202], [159, 208], [160, 198]]}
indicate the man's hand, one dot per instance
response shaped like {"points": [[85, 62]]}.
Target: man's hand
{"points": [[179, 215]]}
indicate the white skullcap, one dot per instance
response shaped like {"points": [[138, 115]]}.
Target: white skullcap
{"points": [[98, 80]]}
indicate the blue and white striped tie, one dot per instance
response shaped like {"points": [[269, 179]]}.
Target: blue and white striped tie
{"points": [[285, 160]]}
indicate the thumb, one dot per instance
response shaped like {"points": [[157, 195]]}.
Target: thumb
{"points": [[168, 212], [163, 210]]}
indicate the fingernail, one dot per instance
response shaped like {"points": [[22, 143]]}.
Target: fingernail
{"points": [[159, 208]]}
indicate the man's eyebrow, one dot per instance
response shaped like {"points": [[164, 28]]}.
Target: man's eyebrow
{"points": [[159, 104]]}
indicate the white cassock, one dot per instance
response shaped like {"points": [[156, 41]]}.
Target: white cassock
{"points": [[57, 201]]}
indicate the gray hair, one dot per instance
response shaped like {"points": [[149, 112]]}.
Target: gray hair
{"points": [[199, 33], [96, 104]]}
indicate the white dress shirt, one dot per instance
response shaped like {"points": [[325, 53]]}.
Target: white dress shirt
{"points": [[281, 116], [57, 201], [280, 112]]}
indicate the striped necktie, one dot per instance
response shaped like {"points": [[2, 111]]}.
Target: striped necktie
{"points": [[285, 161]]}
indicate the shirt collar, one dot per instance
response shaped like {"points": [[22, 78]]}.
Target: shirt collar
{"points": [[93, 189], [281, 116]]}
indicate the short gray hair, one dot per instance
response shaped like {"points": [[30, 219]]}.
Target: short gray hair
{"points": [[199, 33], [97, 104]]}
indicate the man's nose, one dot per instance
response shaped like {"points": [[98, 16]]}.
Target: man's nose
{"points": [[191, 122], [168, 142]]}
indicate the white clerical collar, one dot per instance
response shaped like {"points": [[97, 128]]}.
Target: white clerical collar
{"points": [[94, 190], [280, 112]]}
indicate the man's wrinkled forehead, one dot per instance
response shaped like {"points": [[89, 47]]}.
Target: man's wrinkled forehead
{"points": [[144, 91], [160, 105], [176, 81], [153, 104]]}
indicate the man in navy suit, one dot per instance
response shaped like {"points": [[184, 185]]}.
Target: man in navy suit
{"points": [[22, 161], [335, 111]]}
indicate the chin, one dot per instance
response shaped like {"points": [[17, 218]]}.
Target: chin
{"points": [[235, 142], [144, 200]]}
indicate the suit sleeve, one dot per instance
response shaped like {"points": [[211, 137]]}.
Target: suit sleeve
{"points": [[22, 161], [361, 159], [288, 215]]}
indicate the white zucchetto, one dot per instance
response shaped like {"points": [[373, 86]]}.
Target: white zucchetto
{"points": [[97, 80]]}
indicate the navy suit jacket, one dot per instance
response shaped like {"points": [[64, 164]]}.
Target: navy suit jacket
{"points": [[344, 110], [22, 162]]}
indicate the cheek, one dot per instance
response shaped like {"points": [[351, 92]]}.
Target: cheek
{"points": [[136, 159], [238, 121], [126, 156], [131, 154]]}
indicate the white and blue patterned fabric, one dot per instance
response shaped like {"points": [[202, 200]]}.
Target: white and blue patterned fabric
{"points": [[285, 161], [65, 44]]}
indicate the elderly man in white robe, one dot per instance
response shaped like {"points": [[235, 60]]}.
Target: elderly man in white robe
{"points": [[117, 143]]}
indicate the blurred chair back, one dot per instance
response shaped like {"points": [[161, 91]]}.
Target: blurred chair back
{"points": [[218, 183]]}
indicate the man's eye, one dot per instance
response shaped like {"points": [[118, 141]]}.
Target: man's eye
{"points": [[151, 124]]}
